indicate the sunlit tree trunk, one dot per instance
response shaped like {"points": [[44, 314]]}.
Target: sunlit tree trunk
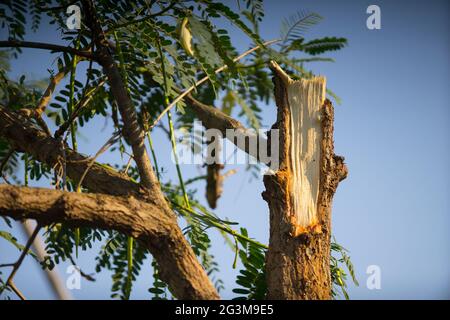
{"points": [[300, 193]]}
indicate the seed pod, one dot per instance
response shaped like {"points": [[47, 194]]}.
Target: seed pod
{"points": [[186, 37]]}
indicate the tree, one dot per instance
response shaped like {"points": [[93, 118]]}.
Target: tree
{"points": [[144, 59]]}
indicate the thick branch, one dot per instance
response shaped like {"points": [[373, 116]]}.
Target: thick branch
{"points": [[213, 118], [24, 136], [46, 46], [143, 221]]}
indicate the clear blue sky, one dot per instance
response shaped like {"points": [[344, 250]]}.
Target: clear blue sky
{"points": [[393, 128]]}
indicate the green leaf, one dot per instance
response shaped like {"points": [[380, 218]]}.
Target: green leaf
{"points": [[295, 26], [318, 46], [12, 240]]}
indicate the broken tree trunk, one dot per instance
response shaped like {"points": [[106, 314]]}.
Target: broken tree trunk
{"points": [[300, 192]]}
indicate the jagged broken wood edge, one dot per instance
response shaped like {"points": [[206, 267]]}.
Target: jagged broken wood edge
{"points": [[298, 261]]}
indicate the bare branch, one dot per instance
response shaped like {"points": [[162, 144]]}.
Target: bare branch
{"points": [[105, 147], [213, 118], [47, 96], [46, 46], [52, 275], [19, 261]]}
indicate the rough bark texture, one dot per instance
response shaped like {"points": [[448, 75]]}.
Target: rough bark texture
{"points": [[26, 137], [298, 262], [142, 220], [190, 282]]}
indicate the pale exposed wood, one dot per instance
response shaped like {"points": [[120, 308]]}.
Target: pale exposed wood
{"points": [[306, 97]]}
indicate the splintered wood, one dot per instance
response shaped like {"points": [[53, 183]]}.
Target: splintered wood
{"points": [[306, 97]]}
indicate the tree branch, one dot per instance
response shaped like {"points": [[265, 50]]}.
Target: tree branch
{"points": [[132, 131], [37, 112], [52, 276], [142, 220], [19, 261], [213, 118], [46, 46], [26, 137]]}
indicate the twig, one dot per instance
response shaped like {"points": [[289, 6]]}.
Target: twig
{"points": [[16, 290], [105, 147], [4, 265], [80, 105], [46, 46], [46, 97], [126, 24], [125, 170], [18, 263], [88, 277], [52, 275], [222, 68]]}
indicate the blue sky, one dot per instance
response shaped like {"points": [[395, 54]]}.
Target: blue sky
{"points": [[393, 128]]}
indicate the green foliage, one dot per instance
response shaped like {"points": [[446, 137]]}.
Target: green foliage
{"points": [[159, 288], [318, 46], [338, 274], [12, 240], [155, 67], [295, 26], [252, 278]]}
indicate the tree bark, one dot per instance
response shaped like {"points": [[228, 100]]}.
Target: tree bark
{"points": [[142, 220], [300, 193], [25, 137], [190, 282]]}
